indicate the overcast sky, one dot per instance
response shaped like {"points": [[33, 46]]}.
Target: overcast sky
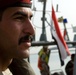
{"points": [[66, 8]]}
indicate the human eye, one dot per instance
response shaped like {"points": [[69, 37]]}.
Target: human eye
{"points": [[30, 17], [19, 18]]}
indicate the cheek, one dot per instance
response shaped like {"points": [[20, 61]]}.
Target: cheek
{"points": [[11, 32], [14, 33]]}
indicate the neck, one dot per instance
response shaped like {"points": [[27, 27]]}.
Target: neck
{"points": [[5, 59], [4, 63]]}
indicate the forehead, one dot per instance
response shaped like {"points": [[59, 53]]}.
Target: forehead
{"points": [[13, 10]]}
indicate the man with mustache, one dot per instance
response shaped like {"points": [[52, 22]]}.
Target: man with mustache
{"points": [[16, 32]]}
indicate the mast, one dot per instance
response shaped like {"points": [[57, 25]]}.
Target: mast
{"points": [[43, 35]]}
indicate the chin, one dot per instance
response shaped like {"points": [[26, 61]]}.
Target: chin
{"points": [[24, 54]]}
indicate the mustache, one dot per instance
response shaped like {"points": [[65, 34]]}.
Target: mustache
{"points": [[26, 38]]}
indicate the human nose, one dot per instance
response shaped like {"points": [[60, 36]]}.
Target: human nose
{"points": [[28, 27]]}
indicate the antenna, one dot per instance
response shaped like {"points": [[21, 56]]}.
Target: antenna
{"points": [[41, 0], [57, 8]]}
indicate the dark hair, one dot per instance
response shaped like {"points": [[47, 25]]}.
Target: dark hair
{"points": [[56, 73], [72, 55]]}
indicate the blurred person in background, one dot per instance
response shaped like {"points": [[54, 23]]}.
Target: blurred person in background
{"points": [[70, 66], [43, 60]]}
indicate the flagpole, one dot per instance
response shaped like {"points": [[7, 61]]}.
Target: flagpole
{"points": [[66, 30]]}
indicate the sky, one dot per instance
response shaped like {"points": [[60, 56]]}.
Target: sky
{"points": [[66, 8]]}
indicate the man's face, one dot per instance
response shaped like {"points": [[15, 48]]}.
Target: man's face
{"points": [[15, 29]]}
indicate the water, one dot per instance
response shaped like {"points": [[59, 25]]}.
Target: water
{"points": [[54, 62]]}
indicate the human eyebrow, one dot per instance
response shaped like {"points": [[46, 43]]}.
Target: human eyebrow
{"points": [[21, 13]]}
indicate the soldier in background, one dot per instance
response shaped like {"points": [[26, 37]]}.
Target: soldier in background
{"points": [[43, 60]]}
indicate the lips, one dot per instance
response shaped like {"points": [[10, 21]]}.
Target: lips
{"points": [[27, 38]]}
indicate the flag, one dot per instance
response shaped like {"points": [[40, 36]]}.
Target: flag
{"points": [[56, 34]]}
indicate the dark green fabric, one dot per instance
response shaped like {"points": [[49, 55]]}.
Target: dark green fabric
{"points": [[21, 67], [1, 73]]}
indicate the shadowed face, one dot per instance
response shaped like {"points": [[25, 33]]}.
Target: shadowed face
{"points": [[16, 31], [45, 48]]}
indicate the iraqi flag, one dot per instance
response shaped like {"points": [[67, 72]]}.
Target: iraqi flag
{"points": [[57, 36]]}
